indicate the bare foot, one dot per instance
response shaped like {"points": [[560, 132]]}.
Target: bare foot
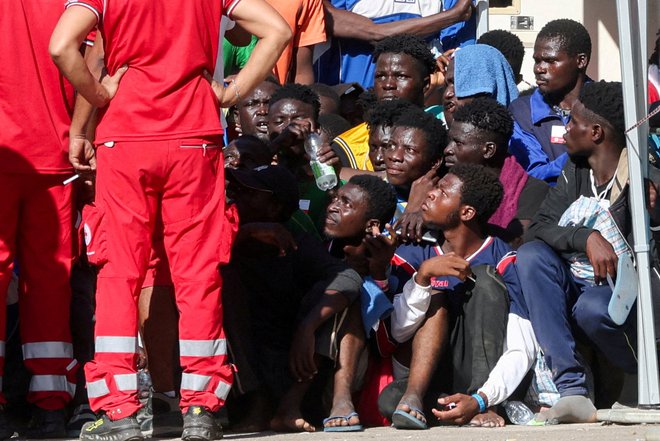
{"points": [[488, 419], [412, 405], [292, 422], [342, 410]]}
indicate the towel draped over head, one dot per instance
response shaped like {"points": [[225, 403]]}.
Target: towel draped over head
{"points": [[480, 68]]}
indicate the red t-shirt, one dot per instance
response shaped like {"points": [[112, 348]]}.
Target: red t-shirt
{"points": [[35, 100], [167, 44]]}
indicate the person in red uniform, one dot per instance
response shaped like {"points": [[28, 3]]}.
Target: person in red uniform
{"points": [[159, 156], [36, 218]]}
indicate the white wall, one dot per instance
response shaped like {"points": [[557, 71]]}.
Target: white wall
{"points": [[598, 16]]}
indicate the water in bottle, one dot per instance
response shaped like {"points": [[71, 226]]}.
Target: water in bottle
{"points": [[324, 174]]}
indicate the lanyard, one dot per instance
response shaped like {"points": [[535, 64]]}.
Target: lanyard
{"points": [[600, 197]]}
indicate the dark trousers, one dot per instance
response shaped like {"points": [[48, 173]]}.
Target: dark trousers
{"points": [[561, 309]]}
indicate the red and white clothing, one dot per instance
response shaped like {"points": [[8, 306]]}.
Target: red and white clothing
{"points": [[159, 156], [36, 218]]}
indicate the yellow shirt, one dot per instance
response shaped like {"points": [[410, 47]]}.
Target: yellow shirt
{"points": [[355, 144]]}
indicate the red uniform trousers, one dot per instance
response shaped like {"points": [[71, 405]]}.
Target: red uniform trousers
{"points": [[186, 179], [36, 230]]}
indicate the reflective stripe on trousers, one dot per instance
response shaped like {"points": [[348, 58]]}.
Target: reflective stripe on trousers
{"points": [[47, 349]]}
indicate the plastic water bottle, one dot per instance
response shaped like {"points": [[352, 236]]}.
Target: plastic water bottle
{"points": [[518, 413], [323, 173]]}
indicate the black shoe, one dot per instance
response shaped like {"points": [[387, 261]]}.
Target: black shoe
{"points": [[160, 417], [6, 431], [104, 429], [46, 424], [200, 425]]}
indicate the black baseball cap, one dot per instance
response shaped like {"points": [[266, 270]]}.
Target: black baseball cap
{"points": [[274, 179]]}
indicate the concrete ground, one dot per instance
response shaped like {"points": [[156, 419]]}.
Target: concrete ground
{"points": [[568, 432]]}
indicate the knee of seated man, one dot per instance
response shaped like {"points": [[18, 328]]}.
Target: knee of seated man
{"points": [[533, 254]]}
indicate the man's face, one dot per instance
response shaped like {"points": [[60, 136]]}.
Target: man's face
{"points": [[347, 213], [252, 205], [449, 99], [579, 131], [464, 146], [406, 157], [379, 138], [253, 111], [441, 209], [286, 111], [556, 71], [399, 76]]}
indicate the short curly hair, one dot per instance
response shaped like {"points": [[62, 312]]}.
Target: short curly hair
{"points": [[481, 189], [604, 100], [507, 43], [488, 115], [381, 198], [410, 45], [434, 131], [573, 36], [298, 92], [384, 113]]}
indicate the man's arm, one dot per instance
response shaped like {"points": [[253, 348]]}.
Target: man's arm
{"points": [[347, 24], [81, 151], [529, 153], [304, 70], [74, 25]]}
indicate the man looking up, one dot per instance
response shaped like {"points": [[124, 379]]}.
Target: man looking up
{"points": [[160, 156], [457, 209], [562, 273], [561, 55], [480, 134]]}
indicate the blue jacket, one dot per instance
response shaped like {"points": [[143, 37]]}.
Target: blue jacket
{"points": [[530, 142]]}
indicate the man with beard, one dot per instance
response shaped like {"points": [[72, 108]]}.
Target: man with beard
{"points": [[561, 56], [471, 274], [563, 273]]}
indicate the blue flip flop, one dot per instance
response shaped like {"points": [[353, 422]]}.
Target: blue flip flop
{"points": [[349, 428], [403, 420]]}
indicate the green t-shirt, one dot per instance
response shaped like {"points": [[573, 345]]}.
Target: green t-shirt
{"points": [[235, 57]]}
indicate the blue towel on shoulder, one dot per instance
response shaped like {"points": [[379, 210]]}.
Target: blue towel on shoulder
{"points": [[375, 305], [480, 68]]}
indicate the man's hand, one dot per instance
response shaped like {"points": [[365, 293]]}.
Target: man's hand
{"points": [[602, 257], [410, 223], [111, 82], [380, 250], [328, 156], [270, 233], [82, 155], [446, 265], [652, 190], [456, 409], [301, 355], [292, 138]]}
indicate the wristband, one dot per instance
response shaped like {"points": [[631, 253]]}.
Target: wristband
{"points": [[481, 402], [655, 229]]}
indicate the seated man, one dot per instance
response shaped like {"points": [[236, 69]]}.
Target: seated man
{"points": [[292, 115], [250, 114], [291, 293], [513, 50], [404, 65], [470, 273], [480, 135], [561, 55], [380, 119], [563, 273], [414, 152]]}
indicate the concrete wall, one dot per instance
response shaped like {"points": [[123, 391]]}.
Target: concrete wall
{"points": [[598, 16]]}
